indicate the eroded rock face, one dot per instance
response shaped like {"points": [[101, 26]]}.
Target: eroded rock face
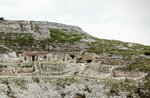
{"points": [[40, 29], [8, 57]]}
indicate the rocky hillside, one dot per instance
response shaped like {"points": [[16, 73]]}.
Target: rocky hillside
{"points": [[38, 28], [39, 35], [23, 35], [120, 70]]}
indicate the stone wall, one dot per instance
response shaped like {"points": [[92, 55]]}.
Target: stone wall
{"points": [[121, 73], [12, 70]]}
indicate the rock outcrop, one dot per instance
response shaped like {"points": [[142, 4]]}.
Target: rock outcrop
{"points": [[40, 29]]}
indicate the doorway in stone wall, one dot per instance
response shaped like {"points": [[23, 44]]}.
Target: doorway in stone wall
{"points": [[88, 61], [72, 56], [33, 58]]}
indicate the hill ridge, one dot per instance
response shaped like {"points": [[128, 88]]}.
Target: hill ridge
{"points": [[40, 29]]}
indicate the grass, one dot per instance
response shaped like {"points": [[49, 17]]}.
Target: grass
{"points": [[65, 81], [96, 47], [17, 40], [60, 36], [78, 95], [26, 41], [36, 79], [102, 45], [126, 53], [9, 92], [27, 65], [141, 64], [116, 87], [112, 47], [3, 50], [21, 83], [145, 90], [88, 89], [53, 67], [5, 81]]}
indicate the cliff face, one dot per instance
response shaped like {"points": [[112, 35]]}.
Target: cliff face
{"points": [[40, 29]]}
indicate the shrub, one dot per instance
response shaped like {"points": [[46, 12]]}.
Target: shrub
{"points": [[144, 90], [58, 35], [142, 64], [2, 18], [116, 87], [5, 81], [147, 53], [21, 83], [36, 79], [78, 95], [3, 50]]}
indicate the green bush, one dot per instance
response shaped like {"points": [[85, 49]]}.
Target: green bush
{"points": [[142, 64], [144, 90], [21, 83], [117, 86], [2, 18], [147, 53], [59, 36], [5, 81], [78, 95], [36, 79], [3, 50]]}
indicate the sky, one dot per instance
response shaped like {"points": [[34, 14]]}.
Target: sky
{"points": [[125, 20]]}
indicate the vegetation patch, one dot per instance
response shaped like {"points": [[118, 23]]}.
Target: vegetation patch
{"points": [[36, 79], [60, 36], [26, 41], [116, 87], [2, 18], [4, 81], [21, 83], [16, 41], [141, 64], [3, 50], [112, 47], [66, 81], [102, 45], [78, 95], [53, 67], [88, 89], [145, 90], [27, 65], [9, 92]]}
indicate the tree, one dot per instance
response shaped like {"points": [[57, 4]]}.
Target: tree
{"points": [[2, 18]]}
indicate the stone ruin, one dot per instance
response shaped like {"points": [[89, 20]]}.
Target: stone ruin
{"points": [[128, 74], [15, 70], [87, 58], [45, 56], [35, 56]]}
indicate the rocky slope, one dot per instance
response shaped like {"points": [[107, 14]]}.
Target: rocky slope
{"points": [[121, 69], [39, 28]]}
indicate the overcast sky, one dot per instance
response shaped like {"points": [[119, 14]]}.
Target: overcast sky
{"points": [[126, 20]]}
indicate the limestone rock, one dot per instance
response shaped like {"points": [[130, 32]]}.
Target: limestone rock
{"points": [[40, 29]]}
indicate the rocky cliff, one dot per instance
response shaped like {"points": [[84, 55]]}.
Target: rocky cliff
{"points": [[40, 29]]}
